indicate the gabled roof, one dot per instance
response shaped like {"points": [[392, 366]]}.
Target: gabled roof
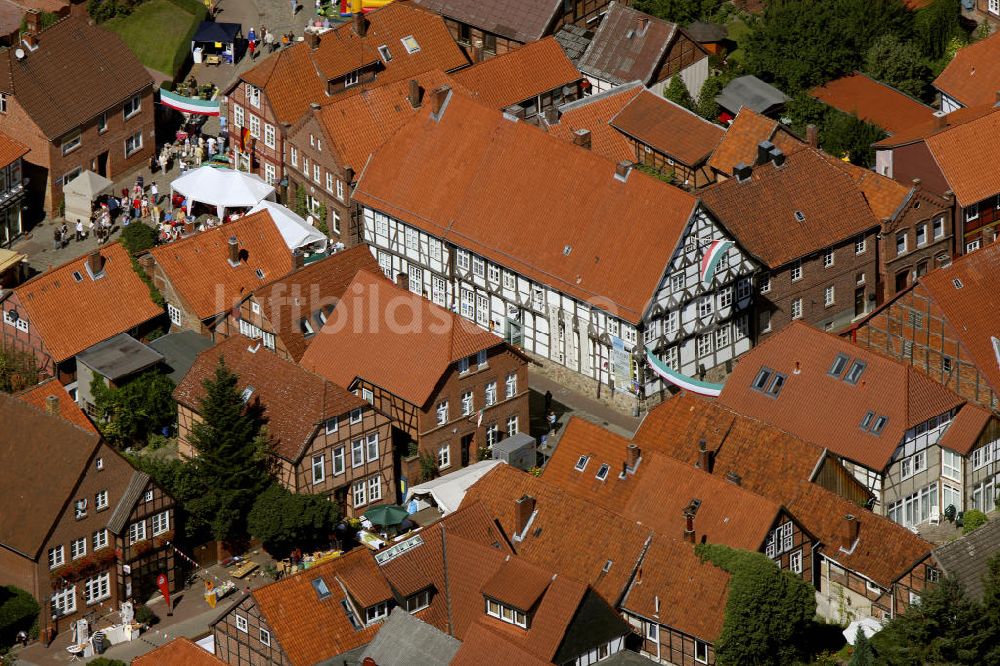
{"points": [[137, 483], [763, 211], [404, 640], [42, 458], [180, 651], [937, 123], [78, 71], [963, 433], [972, 308], [296, 76], [198, 267], [10, 149], [959, 153], [629, 45], [519, 75], [885, 196], [668, 128], [517, 583], [967, 558], [295, 401], [502, 170], [68, 409], [405, 349], [284, 302], [973, 75], [593, 113], [70, 315], [749, 91], [747, 130], [873, 102], [488, 644], [521, 20], [828, 410]]}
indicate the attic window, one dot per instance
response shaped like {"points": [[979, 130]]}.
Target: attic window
{"points": [[247, 392], [762, 379], [306, 327], [854, 374], [867, 420], [410, 44], [800, 216], [839, 364], [581, 464], [775, 388], [350, 615], [322, 591], [260, 274], [607, 566], [384, 52], [567, 249], [602, 473], [958, 283], [879, 425], [77, 276]]}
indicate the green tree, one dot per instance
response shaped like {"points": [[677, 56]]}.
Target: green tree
{"points": [[283, 520], [863, 655], [899, 64], [707, 107], [137, 237], [677, 92], [18, 370], [300, 201], [768, 612], [232, 465], [128, 414], [18, 610], [679, 11], [936, 25], [846, 135]]}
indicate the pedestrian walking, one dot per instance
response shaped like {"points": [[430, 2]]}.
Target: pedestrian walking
{"points": [[163, 161], [92, 230], [56, 238], [145, 207], [155, 211], [251, 47], [64, 235], [211, 146], [269, 40], [295, 5], [199, 154], [154, 192]]}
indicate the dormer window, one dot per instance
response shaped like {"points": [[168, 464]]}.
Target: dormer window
{"points": [[351, 79], [506, 614], [376, 613], [418, 601]]}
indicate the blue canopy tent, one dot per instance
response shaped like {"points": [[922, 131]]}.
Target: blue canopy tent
{"points": [[216, 42]]}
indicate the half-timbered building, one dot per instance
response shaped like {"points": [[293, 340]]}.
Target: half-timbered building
{"points": [[324, 440], [582, 284]]}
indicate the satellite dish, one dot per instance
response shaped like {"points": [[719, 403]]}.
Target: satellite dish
{"points": [[19, 53]]}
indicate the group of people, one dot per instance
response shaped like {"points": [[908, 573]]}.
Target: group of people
{"points": [[267, 40]]}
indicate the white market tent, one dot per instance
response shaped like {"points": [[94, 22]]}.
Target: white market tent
{"points": [[222, 188], [296, 231], [448, 491], [79, 194]]}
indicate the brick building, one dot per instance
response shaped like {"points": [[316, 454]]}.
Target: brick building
{"points": [[451, 389], [745, 132], [394, 43], [79, 99], [93, 532], [11, 189], [65, 310]]}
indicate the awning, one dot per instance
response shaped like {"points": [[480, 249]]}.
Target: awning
{"points": [[681, 381], [203, 107]]}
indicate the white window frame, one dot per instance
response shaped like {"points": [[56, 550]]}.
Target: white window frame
{"points": [[358, 452], [902, 242], [860, 245], [338, 460], [269, 135], [97, 588], [101, 500], [374, 488], [828, 258], [512, 425], [99, 539], [340, 189], [444, 456], [797, 308], [254, 126], [242, 624], [510, 385], [265, 637], [442, 413], [72, 143], [239, 118], [318, 468], [371, 446], [136, 140], [937, 225], [491, 394], [700, 651], [57, 557], [136, 103], [137, 532], [294, 153], [358, 493], [829, 296], [77, 548], [64, 601], [796, 271], [253, 96], [356, 415], [468, 403]]}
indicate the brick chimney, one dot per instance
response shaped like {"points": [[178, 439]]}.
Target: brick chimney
{"points": [[95, 263], [234, 252], [916, 183], [940, 120], [438, 98], [581, 137], [689, 525], [851, 531], [33, 21], [551, 116], [415, 94], [633, 456], [812, 135], [621, 170], [360, 24], [403, 280], [704, 456], [643, 24], [763, 153], [51, 405], [314, 106], [523, 508], [298, 259], [311, 39]]}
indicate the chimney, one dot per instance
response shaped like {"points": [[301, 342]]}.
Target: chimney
{"points": [[621, 170], [777, 157], [403, 280], [51, 405], [438, 98], [95, 263], [940, 120], [514, 112], [234, 252], [33, 21], [360, 24], [581, 137], [633, 456], [733, 478], [763, 153], [742, 172], [146, 262], [298, 259], [551, 116], [812, 135], [31, 39], [689, 525], [414, 95], [349, 175], [311, 39], [704, 456], [523, 508], [916, 183], [851, 529], [643, 24]]}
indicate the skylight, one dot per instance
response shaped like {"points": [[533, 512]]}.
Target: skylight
{"points": [[321, 589], [260, 274], [775, 388], [602, 473], [854, 374], [800, 216], [247, 392], [410, 44], [879, 425], [77, 276], [839, 364], [762, 379], [384, 52], [958, 283], [867, 420], [581, 464]]}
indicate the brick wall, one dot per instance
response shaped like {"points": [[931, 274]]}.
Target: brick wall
{"points": [[310, 143], [898, 268]]}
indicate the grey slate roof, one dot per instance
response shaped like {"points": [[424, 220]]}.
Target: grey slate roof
{"points": [[629, 45], [751, 92], [967, 559], [574, 40], [705, 33], [406, 641], [521, 20], [627, 658], [138, 482], [119, 357], [179, 351]]}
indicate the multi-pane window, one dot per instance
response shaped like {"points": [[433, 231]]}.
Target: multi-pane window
{"points": [[356, 415], [176, 316], [859, 245], [951, 465], [510, 385], [468, 403], [253, 95], [340, 189], [241, 623], [442, 413], [101, 500], [494, 273], [828, 257], [254, 126], [828, 296], [357, 452], [133, 144], [462, 259], [374, 488], [797, 308], [921, 235], [795, 562], [137, 532], [797, 271], [80, 509], [269, 135], [779, 540], [372, 443], [316, 173], [338, 460], [444, 456], [57, 556], [359, 493], [294, 155], [492, 434], [743, 288], [132, 107], [705, 306], [704, 345], [376, 613], [265, 637], [64, 601], [765, 283], [900, 242], [78, 548], [726, 297], [512, 425], [97, 588], [100, 539], [478, 266], [318, 468], [238, 118], [722, 336], [491, 393]]}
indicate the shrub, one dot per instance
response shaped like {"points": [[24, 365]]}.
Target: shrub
{"points": [[144, 615], [18, 370], [283, 520], [973, 520], [18, 610], [138, 237]]}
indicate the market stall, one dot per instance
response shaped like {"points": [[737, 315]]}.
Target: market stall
{"points": [[214, 43], [81, 192], [298, 233], [222, 188]]}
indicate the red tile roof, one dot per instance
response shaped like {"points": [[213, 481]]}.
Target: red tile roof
{"points": [[521, 20], [959, 153], [296, 402], [669, 128], [747, 130], [519, 75], [456, 175], [973, 75], [198, 267], [10, 149], [884, 195], [68, 409], [762, 211], [286, 301], [392, 338], [296, 76], [178, 652], [70, 315], [933, 126], [485, 644], [971, 310], [592, 114], [827, 410], [873, 102], [963, 433], [518, 583]]}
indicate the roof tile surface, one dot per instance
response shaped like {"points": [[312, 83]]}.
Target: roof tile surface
{"points": [[873, 102], [669, 128], [68, 409], [747, 130], [973, 75], [629, 45], [521, 20], [593, 114], [959, 152], [180, 651]]}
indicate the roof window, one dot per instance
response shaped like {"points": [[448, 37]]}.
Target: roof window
{"points": [[775, 388], [762, 379], [581, 464], [410, 44], [260, 274], [958, 283], [350, 615], [247, 392], [839, 363], [879, 425], [77, 276], [384, 52], [800, 216], [602, 473], [854, 374], [322, 591], [607, 566], [867, 420]]}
